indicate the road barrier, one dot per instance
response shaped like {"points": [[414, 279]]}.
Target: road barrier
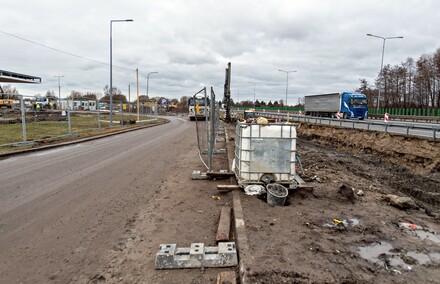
{"points": [[410, 129]]}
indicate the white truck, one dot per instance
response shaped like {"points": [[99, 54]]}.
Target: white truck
{"points": [[198, 107], [347, 104]]}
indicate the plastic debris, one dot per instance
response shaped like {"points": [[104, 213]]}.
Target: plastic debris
{"points": [[254, 189], [262, 120], [410, 226], [215, 197]]}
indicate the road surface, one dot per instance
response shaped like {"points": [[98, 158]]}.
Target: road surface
{"points": [[61, 209]]}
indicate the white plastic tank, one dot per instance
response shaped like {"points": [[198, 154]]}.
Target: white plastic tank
{"points": [[265, 153]]}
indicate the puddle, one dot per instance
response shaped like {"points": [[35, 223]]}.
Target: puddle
{"points": [[425, 235], [384, 254]]}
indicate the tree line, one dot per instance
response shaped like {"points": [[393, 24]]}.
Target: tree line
{"points": [[411, 84]]}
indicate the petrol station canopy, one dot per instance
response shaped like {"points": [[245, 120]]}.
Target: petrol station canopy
{"points": [[12, 77]]}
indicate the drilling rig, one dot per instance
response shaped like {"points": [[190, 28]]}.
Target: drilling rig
{"points": [[227, 94]]}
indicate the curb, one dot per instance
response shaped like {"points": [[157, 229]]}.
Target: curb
{"points": [[239, 225], [56, 145]]}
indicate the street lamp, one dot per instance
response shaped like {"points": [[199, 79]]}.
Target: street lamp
{"points": [[59, 90], [148, 79], [254, 91], [111, 69], [381, 64], [287, 81]]}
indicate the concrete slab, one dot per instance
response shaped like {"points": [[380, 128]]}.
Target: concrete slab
{"points": [[196, 256]]}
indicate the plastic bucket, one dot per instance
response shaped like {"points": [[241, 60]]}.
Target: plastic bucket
{"points": [[276, 194]]}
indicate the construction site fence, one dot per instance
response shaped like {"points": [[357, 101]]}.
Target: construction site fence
{"points": [[207, 128], [24, 125]]}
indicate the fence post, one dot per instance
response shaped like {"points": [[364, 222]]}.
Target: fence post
{"points": [[99, 115], [122, 116], [69, 123], [23, 120]]}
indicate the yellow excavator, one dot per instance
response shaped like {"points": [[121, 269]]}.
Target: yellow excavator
{"points": [[5, 101]]}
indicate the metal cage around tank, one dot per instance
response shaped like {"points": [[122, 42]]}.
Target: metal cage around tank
{"points": [[265, 154]]}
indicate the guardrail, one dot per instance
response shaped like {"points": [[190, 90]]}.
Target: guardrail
{"points": [[410, 129], [413, 118]]}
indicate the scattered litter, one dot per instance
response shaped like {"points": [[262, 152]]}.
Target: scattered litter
{"points": [[254, 189], [360, 192], [410, 226], [400, 201], [262, 120], [215, 197], [420, 232], [345, 223]]}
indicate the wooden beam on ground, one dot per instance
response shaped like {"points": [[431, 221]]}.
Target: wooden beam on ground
{"points": [[227, 188], [224, 225], [220, 174], [226, 277]]}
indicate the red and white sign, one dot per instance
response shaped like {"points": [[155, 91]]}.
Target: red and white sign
{"points": [[386, 118], [339, 115]]}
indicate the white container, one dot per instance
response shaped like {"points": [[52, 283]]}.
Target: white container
{"points": [[265, 153]]}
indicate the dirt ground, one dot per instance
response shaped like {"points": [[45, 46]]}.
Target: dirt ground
{"points": [[301, 243]]}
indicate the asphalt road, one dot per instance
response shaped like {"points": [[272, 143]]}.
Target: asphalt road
{"points": [[423, 130], [60, 209]]}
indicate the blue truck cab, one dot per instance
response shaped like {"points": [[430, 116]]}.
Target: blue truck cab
{"points": [[354, 105]]}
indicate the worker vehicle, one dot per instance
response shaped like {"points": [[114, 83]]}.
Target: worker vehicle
{"points": [[343, 105], [198, 107], [5, 102]]}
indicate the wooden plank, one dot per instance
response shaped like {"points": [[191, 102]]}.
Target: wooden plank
{"points": [[305, 186], [227, 188], [224, 224], [226, 277], [220, 174]]}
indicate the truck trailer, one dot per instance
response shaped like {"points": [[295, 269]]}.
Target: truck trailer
{"points": [[347, 104]]}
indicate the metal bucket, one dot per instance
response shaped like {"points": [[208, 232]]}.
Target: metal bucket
{"points": [[276, 194]]}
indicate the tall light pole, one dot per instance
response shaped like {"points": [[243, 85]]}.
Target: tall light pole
{"points": [[381, 64], [111, 69], [59, 90], [287, 81], [148, 79], [254, 90]]}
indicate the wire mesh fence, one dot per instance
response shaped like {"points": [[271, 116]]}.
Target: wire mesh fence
{"points": [[27, 123], [207, 126]]}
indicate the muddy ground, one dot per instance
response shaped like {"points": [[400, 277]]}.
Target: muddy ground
{"points": [[302, 243]]}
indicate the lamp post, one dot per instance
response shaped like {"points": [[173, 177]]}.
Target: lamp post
{"points": [[287, 81], [111, 69], [381, 64], [148, 79], [148, 82], [254, 90], [59, 90]]}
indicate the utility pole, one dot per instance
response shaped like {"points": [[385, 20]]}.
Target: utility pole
{"points": [[137, 93], [129, 102], [59, 90]]}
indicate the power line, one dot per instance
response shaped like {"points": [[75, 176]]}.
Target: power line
{"points": [[64, 52]]}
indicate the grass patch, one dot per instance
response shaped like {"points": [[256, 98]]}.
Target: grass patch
{"points": [[52, 127]]}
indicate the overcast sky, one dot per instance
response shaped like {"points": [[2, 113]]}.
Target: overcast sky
{"points": [[190, 43]]}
